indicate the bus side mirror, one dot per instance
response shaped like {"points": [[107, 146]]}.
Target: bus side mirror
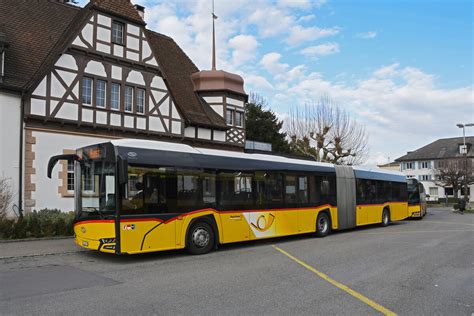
{"points": [[54, 160], [122, 170]]}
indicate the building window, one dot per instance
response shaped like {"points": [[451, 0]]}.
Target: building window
{"points": [[128, 99], [86, 91], [238, 119], [115, 96], [434, 191], [425, 177], [140, 101], [230, 117], [410, 176], [425, 164], [100, 93], [409, 165], [70, 175], [448, 191], [117, 32]]}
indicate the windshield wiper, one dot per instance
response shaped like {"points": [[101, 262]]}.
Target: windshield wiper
{"points": [[91, 209]]}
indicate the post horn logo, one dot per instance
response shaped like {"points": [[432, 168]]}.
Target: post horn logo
{"points": [[83, 230], [263, 224]]}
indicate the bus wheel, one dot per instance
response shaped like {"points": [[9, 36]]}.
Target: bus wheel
{"points": [[385, 217], [200, 239], [323, 225]]}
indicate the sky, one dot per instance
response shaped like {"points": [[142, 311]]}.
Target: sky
{"points": [[403, 69]]}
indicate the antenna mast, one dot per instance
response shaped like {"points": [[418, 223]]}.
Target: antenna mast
{"points": [[214, 17]]}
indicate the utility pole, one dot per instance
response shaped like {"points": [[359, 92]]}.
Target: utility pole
{"points": [[464, 151]]}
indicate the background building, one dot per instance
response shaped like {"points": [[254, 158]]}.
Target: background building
{"points": [[74, 76], [426, 162]]}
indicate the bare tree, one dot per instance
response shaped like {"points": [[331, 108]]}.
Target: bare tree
{"points": [[327, 133], [6, 196], [451, 174]]}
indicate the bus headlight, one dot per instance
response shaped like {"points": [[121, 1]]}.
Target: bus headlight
{"points": [[107, 240]]}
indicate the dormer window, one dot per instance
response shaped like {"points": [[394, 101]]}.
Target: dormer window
{"points": [[239, 119], [230, 117], [117, 32]]}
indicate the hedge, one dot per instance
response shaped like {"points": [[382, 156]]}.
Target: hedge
{"points": [[37, 224]]}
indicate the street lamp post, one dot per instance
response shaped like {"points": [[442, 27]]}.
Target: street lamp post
{"points": [[463, 126]]}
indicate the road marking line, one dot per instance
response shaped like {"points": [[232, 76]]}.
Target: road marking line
{"points": [[339, 285], [448, 222]]}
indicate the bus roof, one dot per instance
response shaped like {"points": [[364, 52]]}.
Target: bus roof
{"points": [[145, 152]]}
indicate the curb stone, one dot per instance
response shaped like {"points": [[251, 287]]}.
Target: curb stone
{"points": [[4, 241]]}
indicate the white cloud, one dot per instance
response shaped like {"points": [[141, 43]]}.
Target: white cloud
{"points": [[321, 50], [294, 3], [300, 34], [367, 35], [306, 18], [258, 83], [387, 71], [401, 106], [244, 48], [271, 63], [271, 21], [300, 4]]}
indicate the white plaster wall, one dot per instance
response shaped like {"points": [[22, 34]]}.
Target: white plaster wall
{"points": [[235, 102], [214, 99], [67, 61], [204, 133], [95, 68], [219, 136], [10, 140], [47, 145], [190, 132]]}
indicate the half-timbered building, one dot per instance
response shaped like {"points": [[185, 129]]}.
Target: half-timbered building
{"points": [[72, 76]]}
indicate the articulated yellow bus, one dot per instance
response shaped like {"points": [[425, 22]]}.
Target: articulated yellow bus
{"points": [[136, 196]]}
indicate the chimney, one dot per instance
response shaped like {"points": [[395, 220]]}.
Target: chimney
{"points": [[141, 10]]}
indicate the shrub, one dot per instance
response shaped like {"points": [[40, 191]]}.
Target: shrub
{"points": [[6, 196], [43, 223]]}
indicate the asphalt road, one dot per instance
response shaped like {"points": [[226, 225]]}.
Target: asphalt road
{"points": [[409, 268]]}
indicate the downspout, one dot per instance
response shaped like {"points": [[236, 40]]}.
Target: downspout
{"points": [[20, 182]]}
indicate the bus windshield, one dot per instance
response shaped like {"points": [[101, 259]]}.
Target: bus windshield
{"points": [[413, 192], [97, 188]]}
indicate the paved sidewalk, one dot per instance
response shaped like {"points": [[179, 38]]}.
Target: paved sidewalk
{"points": [[38, 248]]}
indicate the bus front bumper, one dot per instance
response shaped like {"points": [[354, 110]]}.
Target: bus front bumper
{"points": [[92, 244]]}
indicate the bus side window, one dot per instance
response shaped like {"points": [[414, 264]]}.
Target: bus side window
{"points": [[235, 190], [291, 190], [274, 190], [360, 191], [326, 185], [188, 193], [303, 190], [314, 192], [208, 189]]}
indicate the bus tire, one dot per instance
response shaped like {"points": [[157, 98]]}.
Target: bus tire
{"points": [[323, 225], [385, 217], [200, 238]]}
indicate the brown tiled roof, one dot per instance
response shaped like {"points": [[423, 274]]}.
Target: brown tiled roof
{"points": [[32, 29], [39, 31], [177, 69], [123, 8], [445, 148]]}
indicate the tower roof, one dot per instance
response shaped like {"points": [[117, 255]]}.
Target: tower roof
{"points": [[218, 80]]}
